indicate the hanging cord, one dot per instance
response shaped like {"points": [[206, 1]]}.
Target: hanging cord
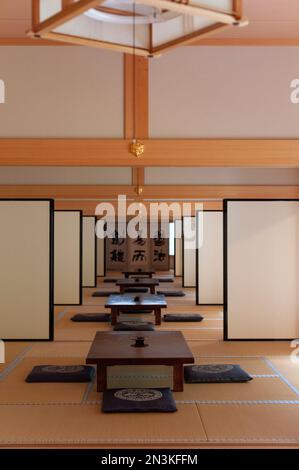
{"points": [[134, 71]]}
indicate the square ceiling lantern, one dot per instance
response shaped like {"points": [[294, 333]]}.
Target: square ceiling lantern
{"points": [[144, 27]]}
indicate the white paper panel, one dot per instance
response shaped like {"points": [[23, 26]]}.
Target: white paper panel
{"points": [[189, 252], [209, 281], [61, 92], [25, 309], [67, 267], [225, 92], [263, 269], [100, 257], [89, 251], [178, 271]]}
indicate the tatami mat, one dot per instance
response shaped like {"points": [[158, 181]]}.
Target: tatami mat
{"points": [[85, 424], [253, 366], [60, 349], [288, 367], [13, 353], [239, 348], [251, 423], [264, 411], [68, 330], [16, 390], [259, 389]]}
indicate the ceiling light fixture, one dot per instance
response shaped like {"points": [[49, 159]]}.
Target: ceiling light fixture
{"points": [[160, 24]]}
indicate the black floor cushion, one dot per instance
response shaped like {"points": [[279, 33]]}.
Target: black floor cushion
{"points": [[134, 326], [183, 317], [165, 279], [215, 373], [138, 400], [91, 317], [171, 293], [140, 311], [137, 290], [110, 279], [52, 373], [104, 293]]}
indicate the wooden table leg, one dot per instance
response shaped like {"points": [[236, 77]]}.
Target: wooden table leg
{"points": [[114, 312], [157, 315], [122, 289], [152, 290], [101, 377], [178, 378]]}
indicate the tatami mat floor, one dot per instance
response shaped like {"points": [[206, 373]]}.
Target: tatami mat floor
{"points": [[263, 412]]}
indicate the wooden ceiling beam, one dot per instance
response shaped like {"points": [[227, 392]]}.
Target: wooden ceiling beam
{"points": [[205, 41], [250, 153], [88, 207], [161, 193]]}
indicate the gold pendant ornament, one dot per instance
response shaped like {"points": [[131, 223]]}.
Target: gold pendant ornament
{"points": [[138, 190], [137, 148]]}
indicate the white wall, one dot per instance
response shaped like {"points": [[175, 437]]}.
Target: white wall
{"points": [[61, 92], [262, 269], [209, 280], [26, 303], [203, 176], [65, 175], [68, 262], [228, 92]]}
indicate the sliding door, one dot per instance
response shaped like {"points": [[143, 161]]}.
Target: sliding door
{"points": [[261, 269], [189, 251], [68, 258], [209, 269], [89, 252], [26, 269], [178, 268]]}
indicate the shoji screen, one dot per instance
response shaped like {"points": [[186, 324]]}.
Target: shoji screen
{"points": [[68, 258], [178, 248], [101, 249], [26, 269], [209, 269], [189, 251], [89, 251], [100, 257], [261, 269]]}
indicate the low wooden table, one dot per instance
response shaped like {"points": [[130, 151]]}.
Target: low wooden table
{"points": [[138, 273], [113, 348], [123, 284], [125, 301]]}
